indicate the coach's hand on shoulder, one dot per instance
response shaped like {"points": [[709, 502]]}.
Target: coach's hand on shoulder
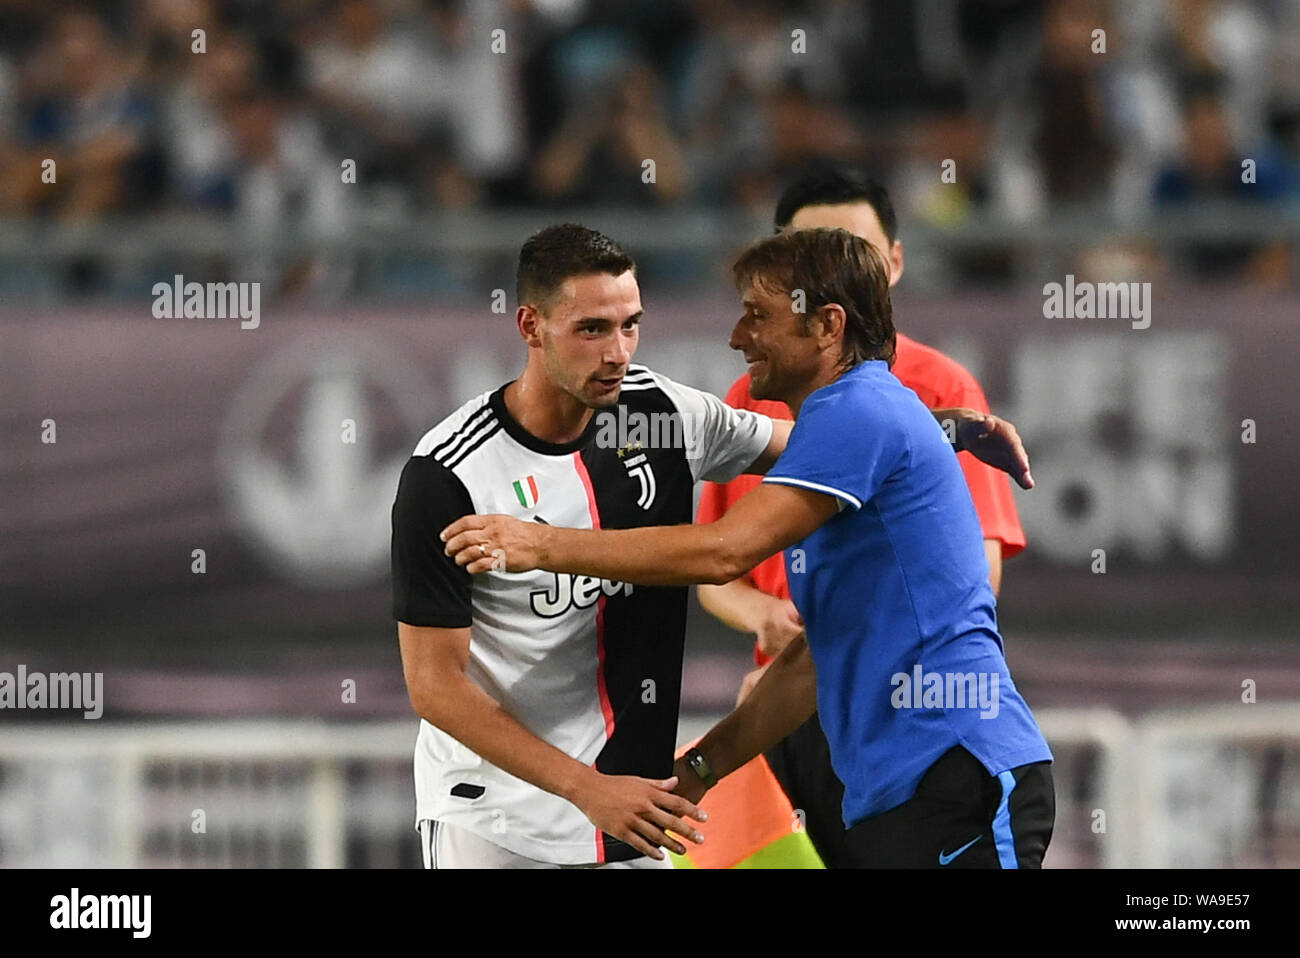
{"points": [[638, 811], [994, 441], [500, 543]]}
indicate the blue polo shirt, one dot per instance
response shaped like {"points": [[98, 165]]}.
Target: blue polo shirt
{"points": [[895, 597]]}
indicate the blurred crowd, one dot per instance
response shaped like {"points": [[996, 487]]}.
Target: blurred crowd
{"points": [[503, 104]]}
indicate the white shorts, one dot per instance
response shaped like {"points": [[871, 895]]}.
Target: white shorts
{"points": [[449, 846]]}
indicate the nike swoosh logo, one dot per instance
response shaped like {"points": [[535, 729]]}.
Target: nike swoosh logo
{"points": [[945, 859]]}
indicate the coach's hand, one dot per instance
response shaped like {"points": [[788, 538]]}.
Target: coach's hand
{"points": [[994, 441], [484, 543], [639, 811]]}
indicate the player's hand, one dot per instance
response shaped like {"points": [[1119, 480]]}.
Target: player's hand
{"points": [[485, 543], [994, 441], [640, 812], [748, 682], [780, 623]]}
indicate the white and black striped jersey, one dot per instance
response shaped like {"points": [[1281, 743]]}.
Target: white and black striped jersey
{"points": [[591, 666]]}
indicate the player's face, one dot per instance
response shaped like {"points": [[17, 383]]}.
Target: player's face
{"points": [[781, 356], [861, 220], [590, 334]]}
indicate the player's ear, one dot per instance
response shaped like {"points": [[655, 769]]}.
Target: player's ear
{"points": [[529, 321], [895, 262], [829, 324]]}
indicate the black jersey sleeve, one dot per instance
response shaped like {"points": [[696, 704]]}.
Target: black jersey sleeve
{"points": [[429, 589]]}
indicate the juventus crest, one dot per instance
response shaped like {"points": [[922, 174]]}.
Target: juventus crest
{"points": [[639, 466]]}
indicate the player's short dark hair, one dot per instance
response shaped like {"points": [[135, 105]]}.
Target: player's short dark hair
{"points": [[829, 266], [828, 184], [556, 253]]}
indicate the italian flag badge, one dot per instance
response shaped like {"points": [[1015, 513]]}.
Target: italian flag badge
{"points": [[526, 491]]}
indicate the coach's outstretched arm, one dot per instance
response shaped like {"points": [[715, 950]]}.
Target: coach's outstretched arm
{"points": [[765, 521], [784, 698], [991, 439]]}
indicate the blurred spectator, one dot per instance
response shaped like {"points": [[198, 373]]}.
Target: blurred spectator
{"points": [[285, 182], [764, 89], [372, 86], [387, 82], [12, 190], [599, 155], [1211, 165], [1284, 135], [1211, 170], [1054, 132], [1227, 39], [203, 159], [86, 112], [505, 104]]}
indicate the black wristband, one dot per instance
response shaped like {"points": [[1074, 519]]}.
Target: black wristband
{"points": [[700, 766]]}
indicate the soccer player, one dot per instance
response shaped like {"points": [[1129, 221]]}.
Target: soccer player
{"points": [[941, 759], [759, 601], [549, 702]]}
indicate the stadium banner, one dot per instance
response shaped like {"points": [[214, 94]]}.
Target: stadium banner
{"points": [[219, 474]]}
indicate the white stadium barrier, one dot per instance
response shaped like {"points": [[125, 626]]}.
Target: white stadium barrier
{"points": [[1207, 787]]}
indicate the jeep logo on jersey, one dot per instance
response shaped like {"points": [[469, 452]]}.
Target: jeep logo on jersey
{"points": [[640, 467], [573, 592]]}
